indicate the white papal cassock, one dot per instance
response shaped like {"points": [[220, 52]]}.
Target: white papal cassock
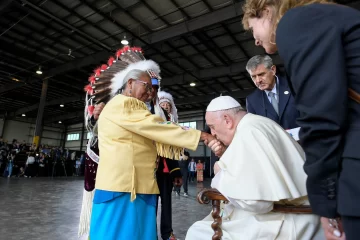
{"points": [[263, 165]]}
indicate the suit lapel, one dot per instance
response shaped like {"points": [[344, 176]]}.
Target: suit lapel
{"points": [[284, 95]]}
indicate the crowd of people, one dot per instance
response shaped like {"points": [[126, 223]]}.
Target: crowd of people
{"points": [[28, 160]]}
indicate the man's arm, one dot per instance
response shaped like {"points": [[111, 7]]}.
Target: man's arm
{"points": [[314, 60]]}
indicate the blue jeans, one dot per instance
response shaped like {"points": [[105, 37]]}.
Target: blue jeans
{"points": [[10, 168]]}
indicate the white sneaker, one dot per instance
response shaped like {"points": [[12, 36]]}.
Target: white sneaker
{"points": [[177, 194], [185, 195]]}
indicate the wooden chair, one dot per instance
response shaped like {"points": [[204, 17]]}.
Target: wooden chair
{"points": [[213, 195]]}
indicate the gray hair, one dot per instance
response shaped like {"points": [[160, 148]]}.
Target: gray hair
{"points": [[133, 74], [257, 60]]}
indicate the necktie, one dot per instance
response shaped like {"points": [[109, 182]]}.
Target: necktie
{"points": [[274, 102]]}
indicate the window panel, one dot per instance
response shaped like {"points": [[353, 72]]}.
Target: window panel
{"points": [[73, 137]]}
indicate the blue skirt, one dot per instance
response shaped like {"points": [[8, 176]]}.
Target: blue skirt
{"points": [[115, 217]]}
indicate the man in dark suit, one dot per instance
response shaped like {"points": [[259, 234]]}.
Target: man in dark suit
{"points": [[273, 98]]}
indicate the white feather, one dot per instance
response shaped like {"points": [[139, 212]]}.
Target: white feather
{"points": [[118, 80]]}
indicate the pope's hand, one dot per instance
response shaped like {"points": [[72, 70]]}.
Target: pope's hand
{"points": [[217, 147], [216, 168], [98, 109], [331, 232]]}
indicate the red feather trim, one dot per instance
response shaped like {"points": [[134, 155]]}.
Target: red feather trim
{"points": [[97, 71], [91, 110], [92, 79], [126, 48], [89, 89], [111, 61], [118, 53], [103, 67], [136, 49]]}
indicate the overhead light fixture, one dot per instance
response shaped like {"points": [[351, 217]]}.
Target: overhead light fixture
{"points": [[15, 79], [24, 115], [193, 84], [60, 122], [61, 105], [124, 41], [39, 71]]}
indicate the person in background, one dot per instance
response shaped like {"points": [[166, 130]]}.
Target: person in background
{"points": [[273, 98], [30, 166], [10, 165], [200, 171], [184, 164], [21, 172], [192, 170], [41, 169]]}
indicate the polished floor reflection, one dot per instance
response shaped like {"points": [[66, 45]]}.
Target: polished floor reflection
{"points": [[48, 208]]}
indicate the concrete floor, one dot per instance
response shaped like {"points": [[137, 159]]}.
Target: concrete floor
{"points": [[49, 208]]}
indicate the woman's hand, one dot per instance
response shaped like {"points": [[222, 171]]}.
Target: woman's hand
{"points": [[333, 230], [98, 109], [206, 137]]}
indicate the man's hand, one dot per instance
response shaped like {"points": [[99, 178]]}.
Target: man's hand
{"points": [[217, 147], [331, 232], [98, 109], [178, 181], [216, 168]]}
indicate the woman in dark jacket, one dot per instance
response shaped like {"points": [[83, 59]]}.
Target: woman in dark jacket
{"points": [[319, 43]]}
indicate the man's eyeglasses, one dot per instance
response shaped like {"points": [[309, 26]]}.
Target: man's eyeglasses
{"points": [[148, 88]]}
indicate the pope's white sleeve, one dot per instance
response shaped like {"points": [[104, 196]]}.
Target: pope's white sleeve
{"points": [[259, 207]]}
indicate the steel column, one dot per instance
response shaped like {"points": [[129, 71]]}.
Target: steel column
{"points": [[40, 115]]}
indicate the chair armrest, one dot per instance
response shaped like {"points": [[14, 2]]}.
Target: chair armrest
{"points": [[213, 195]]}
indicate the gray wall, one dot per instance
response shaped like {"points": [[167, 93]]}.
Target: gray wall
{"points": [[25, 131]]}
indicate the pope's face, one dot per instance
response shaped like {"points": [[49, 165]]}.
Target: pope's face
{"points": [[219, 127]]}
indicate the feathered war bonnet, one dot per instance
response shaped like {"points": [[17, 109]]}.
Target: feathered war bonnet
{"points": [[167, 97], [108, 79]]}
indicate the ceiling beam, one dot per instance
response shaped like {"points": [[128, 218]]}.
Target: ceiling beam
{"points": [[217, 16], [209, 97], [65, 24], [48, 103], [78, 63], [64, 117], [179, 101], [207, 73], [179, 80]]}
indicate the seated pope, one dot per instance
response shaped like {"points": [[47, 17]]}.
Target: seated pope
{"points": [[262, 166]]}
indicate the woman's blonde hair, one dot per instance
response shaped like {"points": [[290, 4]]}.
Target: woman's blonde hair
{"points": [[254, 8]]}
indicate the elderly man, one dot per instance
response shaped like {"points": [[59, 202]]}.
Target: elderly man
{"points": [[273, 98], [261, 166]]}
